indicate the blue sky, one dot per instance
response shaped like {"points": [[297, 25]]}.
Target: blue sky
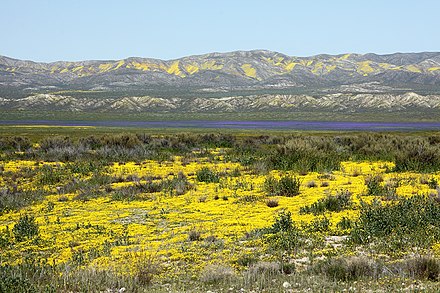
{"points": [[72, 30]]}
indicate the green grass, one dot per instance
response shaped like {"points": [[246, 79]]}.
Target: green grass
{"points": [[311, 115]]}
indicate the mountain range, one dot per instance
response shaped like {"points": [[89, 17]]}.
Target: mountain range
{"points": [[235, 81]]}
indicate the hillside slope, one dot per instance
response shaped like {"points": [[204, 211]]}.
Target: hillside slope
{"points": [[264, 71]]}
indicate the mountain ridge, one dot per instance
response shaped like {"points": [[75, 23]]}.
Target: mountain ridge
{"points": [[238, 81], [341, 102], [237, 70]]}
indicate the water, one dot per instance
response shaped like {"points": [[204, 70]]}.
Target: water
{"points": [[268, 125]]}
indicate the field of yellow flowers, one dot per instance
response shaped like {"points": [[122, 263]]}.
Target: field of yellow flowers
{"points": [[205, 220]]}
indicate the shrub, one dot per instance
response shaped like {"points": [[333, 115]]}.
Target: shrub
{"points": [[5, 238], [50, 175], [14, 143], [194, 235], [345, 224], [319, 224], [283, 223], [127, 193], [26, 277], [413, 221], [336, 203], [287, 185], [288, 268], [91, 142], [262, 272], [202, 198], [374, 185], [433, 183], [418, 155], [14, 199], [56, 142], [347, 269], [272, 202], [149, 186], [248, 198], [178, 185], [215, 274], [128, 141], [25, 228], [282, 237], [311, 184], [425, 268], [146, 267], [246, 260], [207, 175], [307, 154]]}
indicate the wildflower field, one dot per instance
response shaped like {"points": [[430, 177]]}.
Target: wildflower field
{"points": [[217, 212]]}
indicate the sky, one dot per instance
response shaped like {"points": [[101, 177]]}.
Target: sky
{"points": [[72, 30]]}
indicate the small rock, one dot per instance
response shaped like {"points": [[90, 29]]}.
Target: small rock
{"points": [[286, 285]]}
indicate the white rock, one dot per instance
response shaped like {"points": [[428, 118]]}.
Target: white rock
{"points": [[286, 285]]}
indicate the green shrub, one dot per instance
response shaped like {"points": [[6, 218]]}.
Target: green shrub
{"points": [[345, 224], [178, 185], [127, 193], [287, 185], [51, 175], [418, 155], [85, 167], [433, 183], [14, 143], [283, 223], [319, 224], [246, 260], [56, 142], [307, 154], [149, 186], [25, 228], [6, 238], [413, 221], [347, 269], [374, 186], [283, 237], [127, 140], [336, 203], [207, 175]]}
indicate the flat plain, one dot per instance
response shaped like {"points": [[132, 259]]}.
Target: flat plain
{"points": [[166, 210]]}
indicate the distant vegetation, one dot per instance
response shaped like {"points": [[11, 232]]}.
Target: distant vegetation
{"points": [[299, 153]]}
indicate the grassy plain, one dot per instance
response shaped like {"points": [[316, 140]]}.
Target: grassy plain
{"points": [[96, 209], [309, 115]]}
